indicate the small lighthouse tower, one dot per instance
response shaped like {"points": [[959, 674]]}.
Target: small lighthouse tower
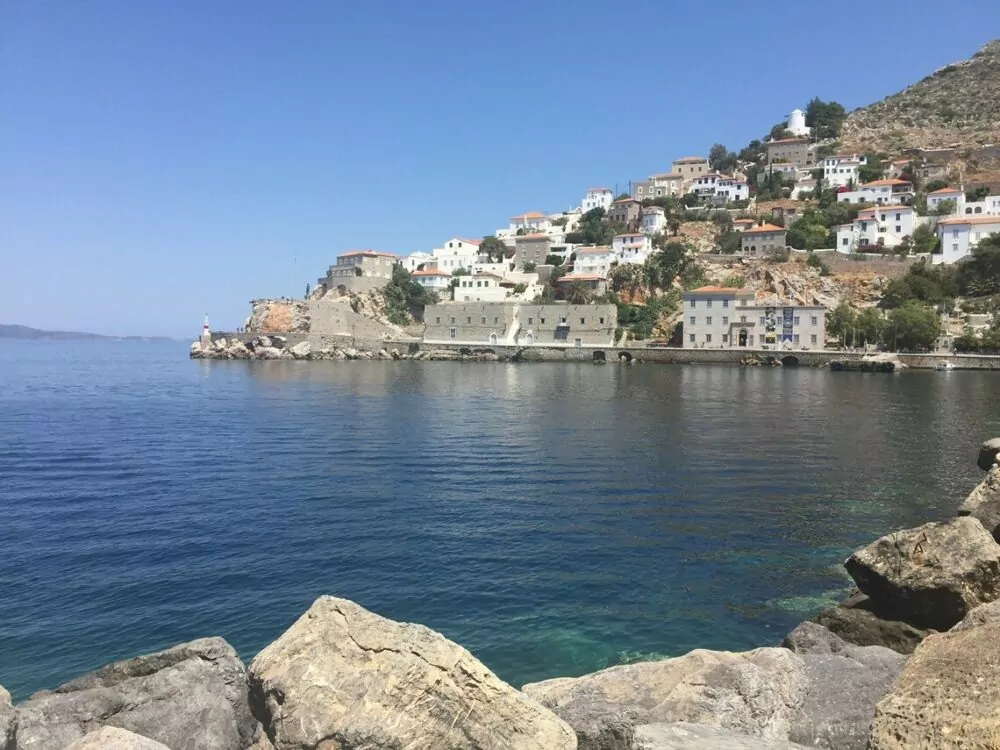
{"points": [[797, 123], [206, 334]]}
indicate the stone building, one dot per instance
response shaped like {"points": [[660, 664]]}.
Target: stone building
{"points": [[512, 324], [796, 151], [625, 211], [759, 240], [531, 248], [718, 317], [359, 271]]}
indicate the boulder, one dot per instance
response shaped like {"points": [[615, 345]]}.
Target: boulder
{"points": [[858, 625], [756, 693], [220, 344], [395, 354], [278, 342], [345, 678], [262, 342], [930, 576], [268, 352], [192, 696], [351, 353], [812, 638], [988, 452], [983, 503], [947, 697], [979, 616], [112, 738], [237, 350], [8, 721], [301, 350], [685, 736]]}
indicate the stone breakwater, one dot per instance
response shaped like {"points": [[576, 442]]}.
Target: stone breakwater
{"points": [[278, 347], [910, 660]]}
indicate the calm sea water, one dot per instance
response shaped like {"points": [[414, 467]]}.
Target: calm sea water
{"points": [[553, 519]]}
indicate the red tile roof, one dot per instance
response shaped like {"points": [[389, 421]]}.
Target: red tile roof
{"points": [[787, 140], [711, 288], [944, 190], [689, 159], [579, 277], [535, 236], [883, 183], [529, 215], [764, 228], [367, 253], [429, 273], [970, 220], [599, 250]]}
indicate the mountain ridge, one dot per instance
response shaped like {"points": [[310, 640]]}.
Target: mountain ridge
{"points": [[27, 333]]}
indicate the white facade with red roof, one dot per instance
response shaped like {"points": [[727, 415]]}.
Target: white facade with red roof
{"points": [[960, 234], [597, 198], [631, 248], [955, 195], [840, 170], [457, 253], [530, 222], [433, 280], [881, 226], [593, 261], [889, 192], [480, 287]]}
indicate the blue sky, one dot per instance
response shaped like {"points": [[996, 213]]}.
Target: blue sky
{"points": [[164, 159]]}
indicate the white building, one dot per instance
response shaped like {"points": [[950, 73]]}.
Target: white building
{"points": [[840, 170], [956, 196], [433, 280], [480, 287], [803, 189], [457, 253], [631, 248], [988, 206], [415, 260], [889, 192], [959, 234], [593, 261], [530, 223], [597, 198], [654, 220], [881, 226], [729, 189], [704, 186], [797, 123]]}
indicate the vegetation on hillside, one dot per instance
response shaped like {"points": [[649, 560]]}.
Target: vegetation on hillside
{"points": [[405, 299]]}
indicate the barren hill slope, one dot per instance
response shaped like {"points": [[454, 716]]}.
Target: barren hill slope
{"points": [[958, 104]]}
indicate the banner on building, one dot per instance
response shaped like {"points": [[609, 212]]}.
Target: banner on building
{"points": [[788, 318]]}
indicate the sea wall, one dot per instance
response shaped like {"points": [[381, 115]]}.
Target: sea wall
{"points": [[910, 661]]}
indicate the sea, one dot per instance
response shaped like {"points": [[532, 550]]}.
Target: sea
{"points": [[554, 519]]}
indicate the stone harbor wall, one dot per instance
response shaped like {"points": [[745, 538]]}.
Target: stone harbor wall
{"points": [[910, 661]]}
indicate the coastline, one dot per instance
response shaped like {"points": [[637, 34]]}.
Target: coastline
{"points": [[867, 673]]}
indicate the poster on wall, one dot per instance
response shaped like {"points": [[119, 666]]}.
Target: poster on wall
{"points": [[787, 318], [770, 325]]}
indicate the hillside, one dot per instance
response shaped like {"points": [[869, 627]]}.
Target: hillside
{"points": [[958, 104], [37, 334]]}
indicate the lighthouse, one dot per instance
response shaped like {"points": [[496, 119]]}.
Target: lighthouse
{"points": [[797, 123], [206, 334]]}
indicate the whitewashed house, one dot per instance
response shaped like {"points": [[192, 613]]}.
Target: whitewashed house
{"points": [[841, 170], [457, 253], [959, 234], [956, 196], [988, 206], [433, 280], [729, 189], [879, 226], [654, 220], [480, 287], [631, 248], [888, 192], [530, 223], [597, 198], [704, 185], [593, 261], [415, 261]]}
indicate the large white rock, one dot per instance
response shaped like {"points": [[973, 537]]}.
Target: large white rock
{"points": [[343, 677], [113, 738], [8, 721], [301, 350]]}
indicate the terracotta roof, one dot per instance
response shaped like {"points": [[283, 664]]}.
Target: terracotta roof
{"points": [[477, 243], [367, 253], [764, 228], [430, 273], [529, 215], [716, 289], [535, 236], [630, 234], [626, 200], [787, 140], [689, 159], [486, 273], [971, 220], [580, 277], [598, 190], [600, 250], [667, 176], [945, 190], [883, 183], [873, 209], [744, 221]]}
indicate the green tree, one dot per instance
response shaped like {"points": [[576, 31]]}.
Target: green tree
{"points": [[825, 118], [933, 185], [674, 226], [592, 229], [944, 208], [623, 197], [529, 267], [405, 299], [664, 266], [779, 131], [520, 288], [924, 239], [752, 152], [814, 261], [841, 323], [721, 159], [809, 231], [979, 275], [578, 293], [493, 248], [977, 194], [873, 168], [914, 326], [868, 327], [553, 260], [308, 290]]}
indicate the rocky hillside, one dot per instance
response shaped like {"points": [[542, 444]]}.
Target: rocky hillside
{"points": [[958, 104]]}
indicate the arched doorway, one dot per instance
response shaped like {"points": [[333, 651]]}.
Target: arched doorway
{"points": [[529, 339], [493, 338], [743, 337], [790, 360]]}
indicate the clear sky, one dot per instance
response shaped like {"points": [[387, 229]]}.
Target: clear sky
{"points": [[164, 159]]}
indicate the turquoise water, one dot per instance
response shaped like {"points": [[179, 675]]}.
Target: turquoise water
{"points": [[553, 519]]}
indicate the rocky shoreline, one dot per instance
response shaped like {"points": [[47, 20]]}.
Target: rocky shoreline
{"points": [[911, 660], [277, 347]]}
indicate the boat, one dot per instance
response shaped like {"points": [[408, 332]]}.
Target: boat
{"points": [[944, 367]]}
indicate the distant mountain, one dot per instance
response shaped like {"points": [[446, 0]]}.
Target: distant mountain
{"points": [[956, 105], [36, 334]]}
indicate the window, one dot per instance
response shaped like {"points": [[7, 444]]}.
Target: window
{"points": [[844, 241], [762, 320], [479, 283], [583, 321], [602, 321], [531, 321], [691, 338], [708, 338], [469, 320], [496, 320], [750, 340], [725, 338], [795, 338], [955, 247], [743, 319], [954, 233], [542, 321], [693, 320], [796, 320], [708, 303], [437, 320], [708, 320], [453, 321], [814, 320], [452, 333], [812, 339], [484, 320], [692, 303], [725, 320], [898, 219], [725, 303]]}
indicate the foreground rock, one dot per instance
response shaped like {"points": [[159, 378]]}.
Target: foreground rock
{"points": [[983, 503], [685, 736], [191, 696], [930, 576], [824, 697], [112, 738], [947, 697], [988, 453], [857, 622], [345, 678], [8, 721]]}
